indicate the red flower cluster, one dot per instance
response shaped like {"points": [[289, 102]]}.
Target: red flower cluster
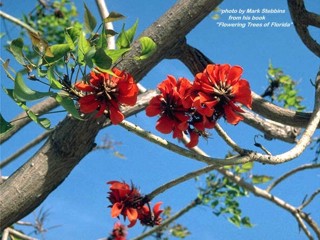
{"points": [[119, 232], [192, 108], [127, 201], [105, 93]]}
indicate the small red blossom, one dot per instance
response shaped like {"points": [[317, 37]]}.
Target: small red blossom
{"points": [[149, 218], [125, 201], [219, 88], [105, 93], [119, 232], [170, 106]]}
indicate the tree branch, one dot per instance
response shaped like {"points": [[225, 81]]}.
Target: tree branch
{"points": [[179, 180], [302, 19], [17, 22], [18, 153], [309, 200], [104, 13], [296, 212], [290, 173], [22, 119], [183, 151]]}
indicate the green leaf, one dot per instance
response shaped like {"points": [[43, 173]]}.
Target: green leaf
{"points": [[110, 32], [256, 179], [236, 220], [125, 38], [113, 16], [83, 48], [74, 31], [101, 59], [43, 122], [23, 93], [69, 40], [89, 20], [116, 54], [245, 221], [58, 51], [67, 103], [102, 42], [148, 47], [16, 47], [245, 167], [54, 83], [88, 57], [4, 125]]}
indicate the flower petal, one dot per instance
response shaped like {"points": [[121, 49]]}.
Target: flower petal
{"points": [[116, 116], [165, 124], [132, 214], [116, 209], [84, 87], [231, 116]]}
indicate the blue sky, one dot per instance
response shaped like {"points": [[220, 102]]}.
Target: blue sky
{"points": [[79, 205]]}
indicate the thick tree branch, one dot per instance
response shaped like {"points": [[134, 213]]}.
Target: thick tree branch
{"points": [[302, 19], [73, 139]]}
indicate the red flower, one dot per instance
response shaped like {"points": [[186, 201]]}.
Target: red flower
{"points": [[119, 232], [125, 201], [105, 93], [218, 88], [171, 106], [148, 218]]}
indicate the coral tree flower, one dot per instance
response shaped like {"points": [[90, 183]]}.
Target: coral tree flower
{"points": [[171, 107], [219, 88], [105, 93], [125, 201], [119, 232], [149, 218], [192, 108]]}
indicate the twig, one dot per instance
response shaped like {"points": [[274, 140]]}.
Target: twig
{"points": [[10, 231], [182, 151], [18, 22], [228, 140], [309, 200], [290, 173], [165, 223], [179, 180], [303, 226], [24, 149]]}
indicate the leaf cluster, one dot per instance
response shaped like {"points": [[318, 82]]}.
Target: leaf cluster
{"points": [[283, 89], [77, 47]]}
